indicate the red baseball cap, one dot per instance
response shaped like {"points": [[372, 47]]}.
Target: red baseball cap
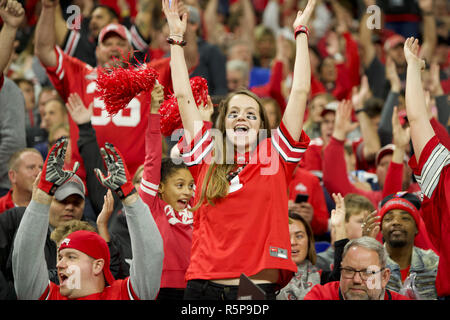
{"points": [[393, 41], [116, 28], [387, 149], [91, 244]]}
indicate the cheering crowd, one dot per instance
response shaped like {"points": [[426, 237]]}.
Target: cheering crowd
{"points": [[159, 149]]}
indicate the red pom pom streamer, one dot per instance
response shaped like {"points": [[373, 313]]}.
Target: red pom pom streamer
{"points": [[118, 86], [170, 114]]}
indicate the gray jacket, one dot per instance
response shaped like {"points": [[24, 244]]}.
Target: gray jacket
{"points": [[424, 264], [12, 126]]}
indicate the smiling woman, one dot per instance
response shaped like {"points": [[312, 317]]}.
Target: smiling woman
{"points": [[242, 175]]}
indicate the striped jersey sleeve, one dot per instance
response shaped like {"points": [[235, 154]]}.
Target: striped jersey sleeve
{"points": [[428, 172], [198, 150], [72, 42], [289, 149]]}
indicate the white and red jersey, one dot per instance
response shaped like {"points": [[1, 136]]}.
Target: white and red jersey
{"points": [[175, 226], [432, 172], [119, 290], [248, 230], [125, 130]]}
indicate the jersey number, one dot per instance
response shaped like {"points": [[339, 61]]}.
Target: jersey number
{"points": [[128, 117]]}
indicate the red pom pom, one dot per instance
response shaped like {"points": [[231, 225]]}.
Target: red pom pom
{"points": [[118, 86], [170, 115]]}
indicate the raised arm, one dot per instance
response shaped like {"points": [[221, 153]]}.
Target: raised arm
{"points": [[365, 34], [368, 130], [146, 241], [45, 40], [301, 84], [28, 257], [429, 30], [144, 17], [190, 116], [421, 130], [61, 29], [12, 15]]}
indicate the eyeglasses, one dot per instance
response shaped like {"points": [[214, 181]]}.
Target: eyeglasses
{"points": [[349, 273]]}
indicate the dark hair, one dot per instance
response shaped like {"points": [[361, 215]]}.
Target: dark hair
{"points": [[311, 256], [373, 107], [112, 13], [169, 167]]}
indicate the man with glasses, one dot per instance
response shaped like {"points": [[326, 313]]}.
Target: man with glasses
{"points": [[363, 275]]}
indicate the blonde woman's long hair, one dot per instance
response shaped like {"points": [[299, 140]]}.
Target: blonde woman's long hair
{"points": [[215, 184]]}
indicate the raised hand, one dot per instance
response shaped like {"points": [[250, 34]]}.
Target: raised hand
{"points": [[303, 17], [118, 178], [411, 50], [53, 175], [157, 97], [342, 122], [79, 113], [172, 12], [400, 135], [360, 96], [105, 214], [392, 75], [206, 110], [338, 217], [12, 13], [371, 225]]}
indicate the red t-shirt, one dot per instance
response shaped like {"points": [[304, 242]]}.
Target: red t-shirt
{"points": [[124, 130], [175, 227], [6, 202], [331, 291], [119, 290], [248, 230], [432, 172]]}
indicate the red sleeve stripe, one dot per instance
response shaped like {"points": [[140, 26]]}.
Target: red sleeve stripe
{"points": [[131, 294], [283, 145], [72, 42], [199, 156], [429, 179], [197, 151], [149, 187], [137, 40], [46, 293], [59, 68]]}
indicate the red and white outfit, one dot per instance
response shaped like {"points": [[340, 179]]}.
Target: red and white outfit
{"points": [[432, 172], [175, 227], [123, 130], [119, 290], [248, 230]]}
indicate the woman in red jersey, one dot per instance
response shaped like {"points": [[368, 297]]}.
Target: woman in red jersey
{"points": [[240, 213]]}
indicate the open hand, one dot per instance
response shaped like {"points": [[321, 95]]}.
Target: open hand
{"points": [[12, 13], [411, 50], [303, 17], [79, 113], [172, 12]]}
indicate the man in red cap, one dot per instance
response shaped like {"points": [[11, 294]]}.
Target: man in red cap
{"points": [[70, 75], [83, 257], [400, 220]]}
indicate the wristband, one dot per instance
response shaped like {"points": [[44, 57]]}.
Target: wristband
{"points": [[181, 43], [301, 29]]}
